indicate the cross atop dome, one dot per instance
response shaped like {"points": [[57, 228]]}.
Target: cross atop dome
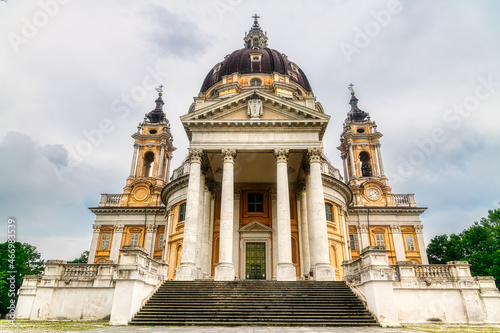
{"points": [[255, 38]]}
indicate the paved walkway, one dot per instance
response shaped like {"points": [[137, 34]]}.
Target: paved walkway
{"points": [[243, 329]]}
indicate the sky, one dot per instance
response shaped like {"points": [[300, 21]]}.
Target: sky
{"points": [[78, 76]]}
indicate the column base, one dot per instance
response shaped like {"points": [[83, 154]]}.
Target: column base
{"points": [[323, 272], [224, 272], [186, 272], [286, 272]]}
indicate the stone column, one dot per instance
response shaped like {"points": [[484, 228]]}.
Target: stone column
{"points": [[362, 230], [160, 163], [306, 255], [134, 160], [167, 174], [421, 244], [149, 243], [93, 244], [380, 163], [225, 268], [322, 269], [199, 229], [351, 159], [187, 269], [274, 218], [206, 262], [399, 247], [286, 271], [346, 235], [346, 173], [116, 242], [166, 248]]}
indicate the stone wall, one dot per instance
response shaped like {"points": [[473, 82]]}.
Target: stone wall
{"points": [[106, 291], [412, 293]]}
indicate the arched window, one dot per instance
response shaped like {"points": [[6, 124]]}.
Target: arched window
{"points": [[366, 169], [255, 42], [329, 211], [255, 82], [149, 159]]}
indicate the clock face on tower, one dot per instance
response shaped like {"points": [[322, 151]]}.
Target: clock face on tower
{"points": [[372, 194]]}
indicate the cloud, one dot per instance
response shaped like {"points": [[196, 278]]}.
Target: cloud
{"points": [[175, 36]]}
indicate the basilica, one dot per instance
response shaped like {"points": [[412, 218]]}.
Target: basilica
{"points": [[257, 198], [256, 226]]}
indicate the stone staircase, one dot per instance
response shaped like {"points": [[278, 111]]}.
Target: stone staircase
{"points": [[254, 303]]}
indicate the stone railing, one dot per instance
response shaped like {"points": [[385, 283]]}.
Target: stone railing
{"points": [[403, 200], [80, 270], [110, 200], [432, 271]]}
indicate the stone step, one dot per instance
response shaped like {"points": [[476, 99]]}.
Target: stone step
{"points": [[256, 303]]}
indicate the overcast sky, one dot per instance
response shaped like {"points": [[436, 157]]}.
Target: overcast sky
{"points": [[78, 76]]}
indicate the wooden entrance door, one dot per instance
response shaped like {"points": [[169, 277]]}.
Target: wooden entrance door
{"points": [[256, 261]]}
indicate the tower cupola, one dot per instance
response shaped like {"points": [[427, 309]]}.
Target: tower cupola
{"points": [[255, 38]]}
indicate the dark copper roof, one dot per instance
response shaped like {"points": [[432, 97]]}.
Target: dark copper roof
{"points": [[239, 62]]}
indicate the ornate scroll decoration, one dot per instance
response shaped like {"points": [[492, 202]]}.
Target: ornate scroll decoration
{"points": [[362, 228], [151, 227], [314, 154], [418, 228], [195, 155], [281, 155], [96, 227], [119, 227], [228, 154], [395, 229]]}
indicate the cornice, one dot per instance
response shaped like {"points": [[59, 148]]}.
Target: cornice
{"points": [[386, 209], [173, 186], [113, 210], [339, 186]]}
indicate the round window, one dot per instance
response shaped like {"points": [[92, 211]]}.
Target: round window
{"points": [[152, 132], [361, 130]]}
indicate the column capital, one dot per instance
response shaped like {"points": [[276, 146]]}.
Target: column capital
{"points": [[314, 154], [118, 227], [96, 227], [168, 212], [195, 155], [281, 155], [151, 227], [419, 228], [395, 229], [362, 228], [163, 145], [228, 154], [136, 145], [377, 144]]}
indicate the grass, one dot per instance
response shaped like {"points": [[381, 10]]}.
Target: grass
{"points": [[49, 326]]}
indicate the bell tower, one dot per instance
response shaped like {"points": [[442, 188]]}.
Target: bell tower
{"points": [[150, 166], [361, 155]]}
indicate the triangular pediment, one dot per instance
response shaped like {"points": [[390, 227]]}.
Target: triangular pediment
{"points": [[255, 226], [236, 108]]}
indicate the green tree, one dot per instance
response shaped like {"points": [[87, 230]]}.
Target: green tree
{"points": [[479, 245], [84, 257], [20, 260]]}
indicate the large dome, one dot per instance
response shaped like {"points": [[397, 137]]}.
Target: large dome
{"points": [[240, 61]]}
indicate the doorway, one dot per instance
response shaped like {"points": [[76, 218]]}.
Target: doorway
{"points": [[255, 261]]}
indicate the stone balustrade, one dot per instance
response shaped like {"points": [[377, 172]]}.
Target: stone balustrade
{"points": [[110, 200], [80, 270], [403, 200]]}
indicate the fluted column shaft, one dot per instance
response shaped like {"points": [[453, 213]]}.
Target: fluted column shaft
{"points": [[225, 268], [134, 160], [187, 270], [351, 159], [322, 269], [286, 271]]}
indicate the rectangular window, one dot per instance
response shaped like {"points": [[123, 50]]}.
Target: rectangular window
{"points": [[329, 211], [105, 242], [354, 242], [134, 240], [160, 241], [182, 212], [379, 238], [255, 203], [410, 246]]}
